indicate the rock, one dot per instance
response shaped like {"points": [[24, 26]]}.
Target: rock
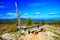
{"points": [[8, 36]]}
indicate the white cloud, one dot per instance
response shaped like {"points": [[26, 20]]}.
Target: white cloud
{"points": [[12, 15], [26, 14], [45, 16], [51, 13], [37, 13]]}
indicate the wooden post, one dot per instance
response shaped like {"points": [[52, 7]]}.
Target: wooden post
{"points": [[18, 18]]}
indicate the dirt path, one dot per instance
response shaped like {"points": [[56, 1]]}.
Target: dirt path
{"points": [[39, 36]]}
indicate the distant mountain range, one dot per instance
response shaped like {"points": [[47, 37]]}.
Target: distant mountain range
{"points": [[47, 20], [23, 19], [10, 20]]}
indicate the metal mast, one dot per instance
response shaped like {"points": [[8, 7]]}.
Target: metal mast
{"points": [[18, 17]]}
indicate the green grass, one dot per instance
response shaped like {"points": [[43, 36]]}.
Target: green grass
{"points": [[56, 38], [57, 35], [15, 33]]}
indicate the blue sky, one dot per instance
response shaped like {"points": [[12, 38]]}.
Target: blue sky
{"points": [[35, 9]]}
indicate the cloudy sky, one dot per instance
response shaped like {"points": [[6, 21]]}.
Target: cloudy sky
{"points": [[35, 9]]}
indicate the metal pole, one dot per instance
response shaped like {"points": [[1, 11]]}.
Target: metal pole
{"points": [[18, 18]]}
